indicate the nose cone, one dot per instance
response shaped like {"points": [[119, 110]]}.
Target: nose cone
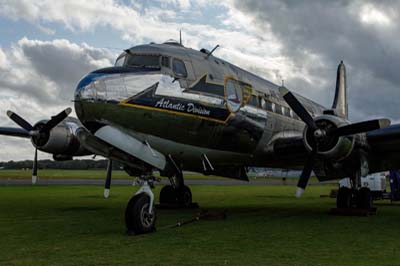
{"points": [[84, 91], [84, 85]]}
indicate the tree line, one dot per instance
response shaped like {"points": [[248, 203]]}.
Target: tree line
{"points": [[50, 164]]}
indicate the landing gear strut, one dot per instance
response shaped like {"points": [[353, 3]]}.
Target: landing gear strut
{"points": [[177, 193], [140, 214]]}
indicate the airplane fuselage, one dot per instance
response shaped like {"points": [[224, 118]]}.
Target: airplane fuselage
{"points": [[187, 105]]}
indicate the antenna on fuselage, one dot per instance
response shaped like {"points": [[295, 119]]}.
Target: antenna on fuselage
{"points": [[212, 51], [180, 37]]}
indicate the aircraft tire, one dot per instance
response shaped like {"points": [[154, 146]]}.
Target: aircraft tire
{"points": [[138, 220], [168, 195], [343, 199], [185, 196], [364, 198]]}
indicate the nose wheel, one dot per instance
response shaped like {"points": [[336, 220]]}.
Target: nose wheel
{"points": [[140, 215]]}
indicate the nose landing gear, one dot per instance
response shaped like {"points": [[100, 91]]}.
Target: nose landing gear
{"points": [[140, 214]]}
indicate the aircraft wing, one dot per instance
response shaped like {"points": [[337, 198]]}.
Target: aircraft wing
{"points": [[117, 145], [15, 132], [385, 148]]}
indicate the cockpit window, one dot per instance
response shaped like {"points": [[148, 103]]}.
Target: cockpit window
{"points": [[136, 60], [179, 68], [120, 61], [165, 61]]}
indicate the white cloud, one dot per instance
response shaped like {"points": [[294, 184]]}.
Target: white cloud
{"points": [[38, 79], [371, 15]]}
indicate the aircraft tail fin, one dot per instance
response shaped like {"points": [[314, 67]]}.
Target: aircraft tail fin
{"points": [[340, 101]]}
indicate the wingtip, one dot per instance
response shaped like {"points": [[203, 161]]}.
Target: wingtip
{"points": [[9, 113]]}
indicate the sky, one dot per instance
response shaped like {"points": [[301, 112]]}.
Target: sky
{"points": [[46, 46]]}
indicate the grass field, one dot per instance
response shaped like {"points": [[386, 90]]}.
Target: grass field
{"points": [[265, 225]]}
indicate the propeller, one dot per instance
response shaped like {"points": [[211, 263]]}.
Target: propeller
{"points": [[320, 134], [34, 168], [107, 184], [39, 133]]}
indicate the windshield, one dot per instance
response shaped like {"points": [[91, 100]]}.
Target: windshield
{"points": [[120, 60], [152, 61]]}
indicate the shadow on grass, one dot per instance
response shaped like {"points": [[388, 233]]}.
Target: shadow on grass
{"points": [[81, 209]]}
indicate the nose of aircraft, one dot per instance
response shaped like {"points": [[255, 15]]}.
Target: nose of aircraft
{"points": [[85, 86]]}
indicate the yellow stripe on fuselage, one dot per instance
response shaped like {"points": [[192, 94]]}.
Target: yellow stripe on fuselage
{"points": [[123, 103]]}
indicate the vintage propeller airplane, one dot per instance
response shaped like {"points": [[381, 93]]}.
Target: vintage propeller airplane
{"points": [[169, 108]]}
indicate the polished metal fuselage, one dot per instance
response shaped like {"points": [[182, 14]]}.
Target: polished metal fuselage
{"points": [[175, 119]]}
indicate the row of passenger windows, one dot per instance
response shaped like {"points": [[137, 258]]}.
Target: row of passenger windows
{"points": [[261, 103], [153, 61]]}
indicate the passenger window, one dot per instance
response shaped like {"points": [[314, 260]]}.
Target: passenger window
{"points": [[286, 111], [253, 101], [268, 106], [279, 109], [179, 68], [165, 61]]}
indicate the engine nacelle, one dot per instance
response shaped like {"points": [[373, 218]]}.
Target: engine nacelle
{"points": [[329, 147], [61, 140]]}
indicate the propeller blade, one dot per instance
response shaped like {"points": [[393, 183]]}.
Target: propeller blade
{"points": [[297, 107], [305, 174], [360, 127], [34, 169], [107, 184], [55, 120], [19, 121]]}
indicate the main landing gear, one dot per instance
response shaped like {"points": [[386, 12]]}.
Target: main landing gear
{"points": [[177, 194], [140, 214], [354, 197]]}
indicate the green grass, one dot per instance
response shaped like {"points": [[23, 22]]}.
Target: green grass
{"points": [[266, 225]]}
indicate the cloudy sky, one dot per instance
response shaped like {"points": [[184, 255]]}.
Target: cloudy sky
{"points": [[46, 46]]}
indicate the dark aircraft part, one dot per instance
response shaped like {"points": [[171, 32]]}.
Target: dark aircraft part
{"points": [[41, 135], [324, 140], [107, 184], [46, 135], [138, 219], [62, 157], [340, 101], [20, 121], [34, 168], [179, 196], [15, 132], [243, 123], [60, 141], [326, 136]]}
